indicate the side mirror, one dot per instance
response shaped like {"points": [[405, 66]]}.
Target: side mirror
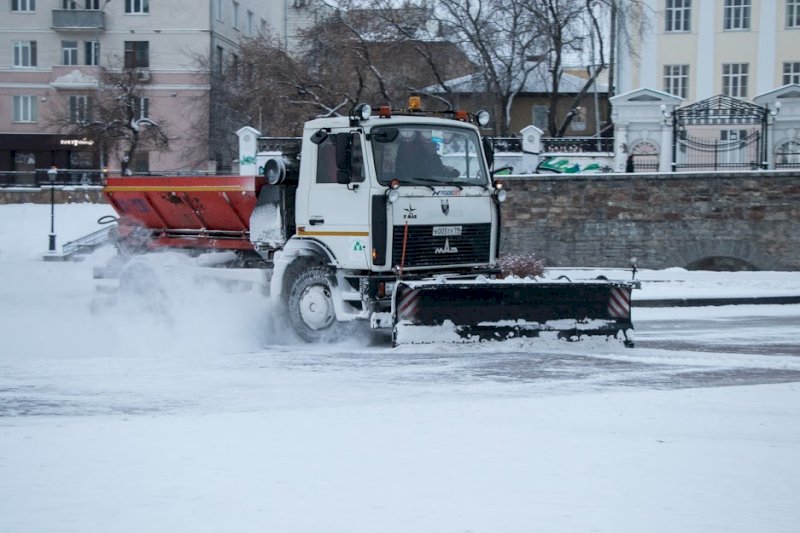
{"points": [[488, 149], [344, 144], [319, 137]]}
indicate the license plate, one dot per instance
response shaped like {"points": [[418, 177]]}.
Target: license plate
{"points": [[446, 231]]}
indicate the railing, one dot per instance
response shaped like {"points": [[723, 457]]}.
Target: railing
{"points": [[78, 19], [557, 144], [80, 178], [507, 144], [577, 144], [40, 178], [87, 243]]}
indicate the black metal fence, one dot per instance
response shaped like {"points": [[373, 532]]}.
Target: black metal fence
{"points": [[577, 144], [77, 178], [739, 152], [788, 155], [558, 144], [40, 178]]}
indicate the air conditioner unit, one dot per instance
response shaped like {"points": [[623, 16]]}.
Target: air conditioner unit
{"points": [[143, 74]]}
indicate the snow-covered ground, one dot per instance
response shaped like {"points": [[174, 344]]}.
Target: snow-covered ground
{"points": [[217, 419]]}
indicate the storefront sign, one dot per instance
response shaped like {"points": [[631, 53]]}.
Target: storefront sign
{"points": [[76, 142]]}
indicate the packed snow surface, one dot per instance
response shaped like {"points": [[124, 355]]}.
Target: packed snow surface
{"points": [[205, 414]]}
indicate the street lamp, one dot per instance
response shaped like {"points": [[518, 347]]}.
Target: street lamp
{"points": [[51, 175]]}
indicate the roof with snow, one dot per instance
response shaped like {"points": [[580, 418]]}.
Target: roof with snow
{"points": [[538, 82]]}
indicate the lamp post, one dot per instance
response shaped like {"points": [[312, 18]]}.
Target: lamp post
{"points": [[51, 174]]}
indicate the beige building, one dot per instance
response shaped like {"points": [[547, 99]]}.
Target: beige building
{"points": [[697, 49], [52, 54]]}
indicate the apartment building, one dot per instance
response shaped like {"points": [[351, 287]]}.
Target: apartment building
{"points": [[53, 53], [697, 49]]}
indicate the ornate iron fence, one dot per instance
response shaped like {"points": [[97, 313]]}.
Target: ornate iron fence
{"points": [[737, 150], [788, 155]]}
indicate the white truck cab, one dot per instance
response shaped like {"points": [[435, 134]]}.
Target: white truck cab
{"points": [[441, 207]]}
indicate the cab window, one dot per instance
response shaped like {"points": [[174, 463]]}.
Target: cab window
{"points": [[326, 160]]}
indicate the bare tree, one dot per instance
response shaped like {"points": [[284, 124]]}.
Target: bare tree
{"points": [[115, 117], [381, 51], [354, 55], [504, 38]]}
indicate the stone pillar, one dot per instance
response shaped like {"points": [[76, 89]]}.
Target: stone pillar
{"points": [[248, 145], [621, 149], [665, 157], [531, 148]]}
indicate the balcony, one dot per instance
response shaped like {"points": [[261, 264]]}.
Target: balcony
{"points": [[78, 19]]}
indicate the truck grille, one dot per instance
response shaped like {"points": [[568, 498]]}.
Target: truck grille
{"points": [[424, 249]]}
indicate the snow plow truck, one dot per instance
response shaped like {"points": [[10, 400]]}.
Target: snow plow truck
{"points": [[389, 219]]}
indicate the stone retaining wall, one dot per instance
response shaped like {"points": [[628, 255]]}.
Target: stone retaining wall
{"points": [[663, 220]]}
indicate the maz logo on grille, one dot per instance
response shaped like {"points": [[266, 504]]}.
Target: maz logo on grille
{"points": [[446, 249]]}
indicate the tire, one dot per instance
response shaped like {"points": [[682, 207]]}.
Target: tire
{"points": [[141, 290], [310, 304]]}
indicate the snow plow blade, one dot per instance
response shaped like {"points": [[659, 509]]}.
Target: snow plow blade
{"points": [[476, 310]]}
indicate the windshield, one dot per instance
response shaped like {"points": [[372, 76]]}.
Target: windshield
{"points": [[428, 155]]}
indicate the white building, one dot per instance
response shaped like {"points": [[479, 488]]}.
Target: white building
{"points": [[52, 53], [697, 49]]}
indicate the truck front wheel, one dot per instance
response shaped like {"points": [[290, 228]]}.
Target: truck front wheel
{"points": [[311, 311]]}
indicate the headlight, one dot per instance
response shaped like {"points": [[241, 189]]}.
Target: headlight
{"points": [[392, 195], [499, 192], [483, 118], [364, 111]]}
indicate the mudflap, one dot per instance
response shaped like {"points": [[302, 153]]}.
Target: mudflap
{"points": [[483, 309]]}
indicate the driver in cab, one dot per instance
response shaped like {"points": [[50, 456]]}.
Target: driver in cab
{"points": [[417, 158]]}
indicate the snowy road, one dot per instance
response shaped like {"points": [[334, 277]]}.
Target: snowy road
{"points": [[218, 420]]}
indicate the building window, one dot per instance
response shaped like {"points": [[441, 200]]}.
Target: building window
{"points": [[69, 52], [219, 10], [539, 116], [250, 23], [24, 53], [137, 6], [92, 52], [23, 5], [791, 72], [219, 62], [676, 80], [734, 79], [80, 109], [578, 119], [678, 15], [263, 27], [137, 54], [737, 14], [141, 108], [140, 162], [75, 4], [235, 15], [25, 109], [793, 13]]}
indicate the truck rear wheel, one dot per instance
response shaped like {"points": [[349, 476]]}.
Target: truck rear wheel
{"points": [[141, 290], [311, 311]]}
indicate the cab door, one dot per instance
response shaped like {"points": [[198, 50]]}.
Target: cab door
{"points": [[338, 200]]}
